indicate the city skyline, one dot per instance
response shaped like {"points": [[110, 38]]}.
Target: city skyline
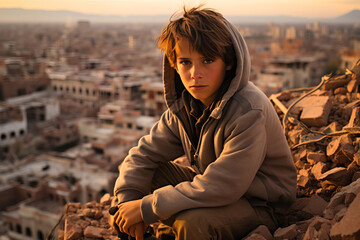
{"points": [[306, 8]]}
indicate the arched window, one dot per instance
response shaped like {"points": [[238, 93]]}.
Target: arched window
{"points": [[18, 228], [28, 232], [11, 227], [3, 136], [40, 235]]}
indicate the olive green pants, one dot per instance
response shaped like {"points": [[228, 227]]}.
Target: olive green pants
{"points": [[233, 221]]}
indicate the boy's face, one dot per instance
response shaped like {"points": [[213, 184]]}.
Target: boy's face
{"points": [[201, 77]]}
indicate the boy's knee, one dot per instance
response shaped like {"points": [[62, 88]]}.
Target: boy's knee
{"points": [[192, 224]]}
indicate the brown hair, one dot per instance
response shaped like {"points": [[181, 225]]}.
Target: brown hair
{"points": [[204, 29]]}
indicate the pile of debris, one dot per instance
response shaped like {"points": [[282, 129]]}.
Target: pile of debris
{"points": [[88, 222], [322, 126]]}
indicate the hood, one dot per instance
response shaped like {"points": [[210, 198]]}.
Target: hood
{"points": [[173, 86]]}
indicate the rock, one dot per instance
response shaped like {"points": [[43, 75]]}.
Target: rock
{"points": [[357, 158], [286, 233], [356, 176], [73, 232], [354, 119], [303, 179], [316, 110], [351, 85], [93, 232], [315, 157], [106, 199], [349, 226], [318, 169], [315, 206], [261, 232], [339, 199], [333, 147], [319, 228], [340, 91], [332, 127], [338, 176]]}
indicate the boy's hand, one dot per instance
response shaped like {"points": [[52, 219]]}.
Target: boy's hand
{"points": [[137, 231], [129, 214]]}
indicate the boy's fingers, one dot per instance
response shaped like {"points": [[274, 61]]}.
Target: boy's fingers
{"points": [[139, 231]]}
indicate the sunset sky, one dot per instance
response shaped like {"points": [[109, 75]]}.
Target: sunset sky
{"points": [[304, 8]]}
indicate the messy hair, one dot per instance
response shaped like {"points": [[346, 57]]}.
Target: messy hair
{"points": [[206, 32]]}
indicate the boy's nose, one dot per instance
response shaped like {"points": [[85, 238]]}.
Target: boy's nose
{"points": [[196, 72]]}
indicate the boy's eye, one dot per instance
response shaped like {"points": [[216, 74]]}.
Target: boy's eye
{"points": [[185, 62], [207, 61]]}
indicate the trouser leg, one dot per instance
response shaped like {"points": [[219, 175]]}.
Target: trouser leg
{"points": [[229, 222], [233, 221]]}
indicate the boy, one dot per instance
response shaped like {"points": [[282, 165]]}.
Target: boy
{"points": [[241, 175]]}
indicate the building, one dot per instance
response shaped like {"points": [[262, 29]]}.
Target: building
{"points": [[34, 195], [18, 78], [292, 72], [153, 98]]}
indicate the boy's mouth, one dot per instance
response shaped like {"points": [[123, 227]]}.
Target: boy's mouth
{"points": [[197, 87]]}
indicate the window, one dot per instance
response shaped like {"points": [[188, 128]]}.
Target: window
{"points": [[21, 132], [28, 232], [151, 95], [3, 136], [18, 228], [12, 134], [40, 235], [55, 88]]}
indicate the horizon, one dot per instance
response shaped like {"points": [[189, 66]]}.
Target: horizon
{"points": [[306, 8]]}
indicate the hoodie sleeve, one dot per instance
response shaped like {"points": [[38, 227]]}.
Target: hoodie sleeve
{"points": [[225, 180], [136, 172]]}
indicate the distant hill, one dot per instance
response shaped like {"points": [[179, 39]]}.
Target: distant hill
{"points": [[353, 16], [19, 15]]}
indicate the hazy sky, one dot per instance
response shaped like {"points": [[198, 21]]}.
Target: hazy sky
{"points": [[305, 8]]}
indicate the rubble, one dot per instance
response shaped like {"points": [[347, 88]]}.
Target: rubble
{"points": [[323, 131]]}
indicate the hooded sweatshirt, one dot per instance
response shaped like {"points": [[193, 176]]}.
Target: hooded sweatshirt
{"points": [[241, 150]]}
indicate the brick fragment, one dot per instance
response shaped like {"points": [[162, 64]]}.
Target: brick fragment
{"points": [[316, 110], [355, 118], [340, 91], [351, 85], [349, 226], [286, 233], [315, 206], [73, 232], [315, 157], [332, 127], [93, 232], [333, 147], [338, 176], [318, 169], [319, 228], [357, 158], [342, 98], [356, 176], [259, 233]]}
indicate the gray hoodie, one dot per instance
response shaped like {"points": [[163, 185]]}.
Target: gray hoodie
{"points": [[241, 152]]}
